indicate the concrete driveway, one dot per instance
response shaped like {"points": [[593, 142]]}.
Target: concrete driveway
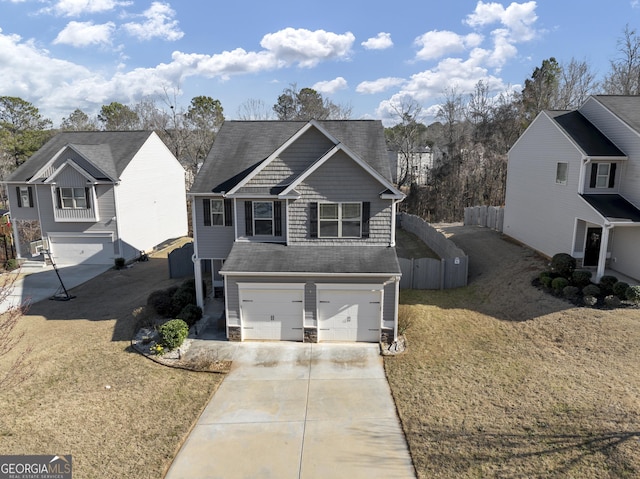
{"points": [[294, 410], [42, 283]]}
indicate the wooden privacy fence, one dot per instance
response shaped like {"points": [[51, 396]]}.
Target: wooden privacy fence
{"points": [[487, 216], [450, 271]]}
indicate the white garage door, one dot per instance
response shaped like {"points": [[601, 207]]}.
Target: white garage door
{"points": [[272, 314], [81, 250], [349, 314]]}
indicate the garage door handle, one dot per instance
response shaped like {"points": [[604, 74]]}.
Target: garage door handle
{"points": [[297, 301], [325, 301], [273, 318]]}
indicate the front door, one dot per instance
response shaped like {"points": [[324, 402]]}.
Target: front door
{"points": [[592, 247]]}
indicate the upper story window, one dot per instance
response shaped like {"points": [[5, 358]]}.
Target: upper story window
{"points": [[217, 212], [25, 196], [340, 220], [73, 198], [603, 175], [561, 173], [263, 218]]}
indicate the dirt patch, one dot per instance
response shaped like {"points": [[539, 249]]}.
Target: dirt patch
{"points": [[503, 380], [92, 396]]}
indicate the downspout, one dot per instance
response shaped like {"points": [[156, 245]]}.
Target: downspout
{"points": [[394, 212], [118, 217], [197, 264]]}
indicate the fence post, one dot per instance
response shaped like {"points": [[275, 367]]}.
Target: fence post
{"points": [[443, 265], [412, 275]]}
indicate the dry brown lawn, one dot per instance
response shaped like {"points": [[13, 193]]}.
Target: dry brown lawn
{"points": [[502, 380], [133, 428]]}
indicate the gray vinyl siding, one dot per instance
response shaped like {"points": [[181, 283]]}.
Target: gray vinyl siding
{"points": [[214, 242], [310, 294], [106, 209], [22, 212], [624, 138], [340, 179], [588, 190], [291, 162], [538, 211], [624, 252]]}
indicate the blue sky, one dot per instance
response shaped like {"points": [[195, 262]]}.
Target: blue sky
{"points": [[67, 54]]}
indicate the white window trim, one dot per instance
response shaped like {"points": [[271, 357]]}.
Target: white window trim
{"points": [[73, 198], [214, 213], [24, 197], [560, 181], [601, 176], [253, 207], [339, 219]]}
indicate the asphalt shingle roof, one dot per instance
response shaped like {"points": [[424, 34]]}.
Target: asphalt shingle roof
{"points": [[613, 207], [585, 134], [109, 151], [241, 146], [625, 107], [309, 259]]}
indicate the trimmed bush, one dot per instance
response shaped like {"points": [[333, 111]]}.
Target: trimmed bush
{"points": [[181, 298], [581, 277], [620, 289], [590, 300], [190, 314], [558, 284], [591, 290], [633, 294], [545, 274], [546, 281], [571, 292], [160, 302], [606, 284], [564, 264], [173, 333], [612, 301], [119, 263]]}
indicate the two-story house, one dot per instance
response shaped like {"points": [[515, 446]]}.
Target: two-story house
{"points": [[573, 185], [297, 221], [96, 196]]}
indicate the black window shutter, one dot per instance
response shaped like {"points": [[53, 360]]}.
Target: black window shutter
{"points": [[59, 197], [612, 175], [277, 218], [87, 196], [206, 208], [313, 219], [30, 191], [594, 175], [228, 212], [366, 216], [19, 197], [248, 218]]}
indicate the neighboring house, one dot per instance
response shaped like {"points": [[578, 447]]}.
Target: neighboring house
{"points": [[573, 185], [95, 196], [297, 220]]}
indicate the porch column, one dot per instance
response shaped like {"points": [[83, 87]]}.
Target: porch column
{"points": [[604, 246], [16, 238], [197, 272], [395, 312]]}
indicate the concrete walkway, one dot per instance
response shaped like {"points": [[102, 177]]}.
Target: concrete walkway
{"points": [[294, 410]]}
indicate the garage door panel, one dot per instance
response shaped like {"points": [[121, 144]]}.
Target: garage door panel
{"points": [[81, 250], [349, 315], [272, 315]]}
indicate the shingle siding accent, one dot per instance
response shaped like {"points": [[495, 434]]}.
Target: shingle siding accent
{"points": [[340, 179]]}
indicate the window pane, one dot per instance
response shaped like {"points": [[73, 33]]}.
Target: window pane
{"points": [[217, 206], [351, 210], [81, 202], [328, 211], [603, 169], [67, 202], [217, 219], [351, 229], [561, 173], [263, 210], [328, 229], [263, 227]]}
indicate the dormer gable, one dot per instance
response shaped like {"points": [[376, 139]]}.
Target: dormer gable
{"points": [[72, 156]]}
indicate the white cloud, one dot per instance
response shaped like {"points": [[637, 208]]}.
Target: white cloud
{"points": [[379, 42], [82, 34], [331, 86], [379, 85], [159, 22], [518, 18], [307, 48], [437, 43], [75, 8]]}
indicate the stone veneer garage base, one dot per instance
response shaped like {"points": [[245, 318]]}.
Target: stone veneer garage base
{"points": [[310, 335]]}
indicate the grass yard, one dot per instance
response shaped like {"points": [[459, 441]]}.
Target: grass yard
{"points": [[133, 428], [502, 380]]}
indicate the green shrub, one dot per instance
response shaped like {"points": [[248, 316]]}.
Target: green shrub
{"points": [[545, 274], [558, 284], [606, 284], [612, 301], [590, 300], [563, 264], [591, 290], [546, 281], [173, 333], [581, 277], [190, 314], [571, 292], [620, 289], [160, 302], [181, 298], [633, 294], [119, 263]]}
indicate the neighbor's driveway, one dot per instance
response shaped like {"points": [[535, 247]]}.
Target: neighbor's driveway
{"points": [[44, 283], [294, 410]]}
